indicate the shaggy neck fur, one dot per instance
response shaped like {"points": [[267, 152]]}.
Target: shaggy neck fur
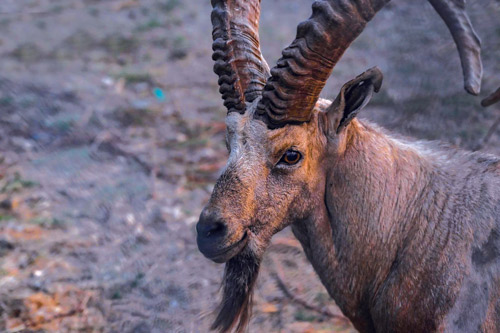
{"points": [[391, 243]]}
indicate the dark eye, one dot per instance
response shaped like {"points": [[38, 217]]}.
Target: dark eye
{"points": [[290, 157]]}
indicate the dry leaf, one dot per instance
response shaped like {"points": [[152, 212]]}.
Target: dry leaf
{"points": [[126, 4], [14, 325], [33, 232], [269, 308], [300, 327]]}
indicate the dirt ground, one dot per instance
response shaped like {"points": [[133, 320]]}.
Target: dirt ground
{"points": [[111, 137]]}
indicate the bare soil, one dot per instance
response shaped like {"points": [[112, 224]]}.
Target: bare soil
{"points": [[111, 137]]}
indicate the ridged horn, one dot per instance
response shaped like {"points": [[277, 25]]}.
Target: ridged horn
{"points": [[299, 76], [301, 73], [239, 63]]}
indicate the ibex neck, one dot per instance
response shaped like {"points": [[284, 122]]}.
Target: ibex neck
{"points": [[372, 187]]}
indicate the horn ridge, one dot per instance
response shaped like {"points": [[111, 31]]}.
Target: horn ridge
{"points": [[294, 87], [239, 63], [296, 81]]}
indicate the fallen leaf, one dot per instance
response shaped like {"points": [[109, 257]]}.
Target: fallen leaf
{"points": [[269, 308], [14, 325], [25, 233], [126, 4]]}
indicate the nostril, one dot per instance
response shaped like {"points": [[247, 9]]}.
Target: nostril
{"points": [[216, 228], [210, 226]]}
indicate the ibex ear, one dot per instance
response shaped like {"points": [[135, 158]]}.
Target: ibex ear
{"points": [[353, 97]]}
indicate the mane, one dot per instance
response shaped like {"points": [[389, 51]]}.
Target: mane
{"points": [[438, 153]]}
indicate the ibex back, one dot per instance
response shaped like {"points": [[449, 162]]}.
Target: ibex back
{"points": [[404, 235]]}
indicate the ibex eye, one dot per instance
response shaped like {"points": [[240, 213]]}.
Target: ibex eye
{"points": [[291, 157]]}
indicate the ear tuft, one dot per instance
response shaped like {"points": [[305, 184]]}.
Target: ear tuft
{"points": [[352, 98]]}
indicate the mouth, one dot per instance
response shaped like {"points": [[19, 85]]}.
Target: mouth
{"points": [[227, 253]]}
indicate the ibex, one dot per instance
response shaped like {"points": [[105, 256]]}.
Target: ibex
{"points": [[404, 235]]}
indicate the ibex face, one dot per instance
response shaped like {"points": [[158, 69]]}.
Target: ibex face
{"points": [[272, 177], [279, 134]]}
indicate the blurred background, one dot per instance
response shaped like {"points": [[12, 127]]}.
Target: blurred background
{"points": [[111, 137]]}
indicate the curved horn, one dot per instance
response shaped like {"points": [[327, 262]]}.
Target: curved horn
{"points": [[299, 76], [239, 63], [468, 44], [296, 82]]}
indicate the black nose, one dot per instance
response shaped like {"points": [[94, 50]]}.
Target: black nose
{"points": [[210, 226]]}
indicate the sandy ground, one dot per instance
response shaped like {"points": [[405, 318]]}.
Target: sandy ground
{"points": [[111, 137]]}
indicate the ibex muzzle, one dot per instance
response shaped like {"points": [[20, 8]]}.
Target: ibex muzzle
{"points": [[212, 234], [394, 230]]}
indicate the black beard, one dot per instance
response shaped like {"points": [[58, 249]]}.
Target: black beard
{"points": [[238, 282]]}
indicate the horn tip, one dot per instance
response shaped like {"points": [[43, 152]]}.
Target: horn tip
{"points": [[473, 88]]}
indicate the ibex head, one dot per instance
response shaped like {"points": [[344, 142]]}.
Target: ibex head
{"points": [[281, 137]]}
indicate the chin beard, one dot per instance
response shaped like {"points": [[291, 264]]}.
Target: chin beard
{"points": [[239, 279]]}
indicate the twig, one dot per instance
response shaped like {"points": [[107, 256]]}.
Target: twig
{"points": [[285, 244], [105, 142], [491, 99], [154, 167], [488, 135], [488, 101], [284, 289], [87, 115], [294, 298]]}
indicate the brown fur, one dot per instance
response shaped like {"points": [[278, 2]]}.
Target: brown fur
{"points": [[404, 236]]}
